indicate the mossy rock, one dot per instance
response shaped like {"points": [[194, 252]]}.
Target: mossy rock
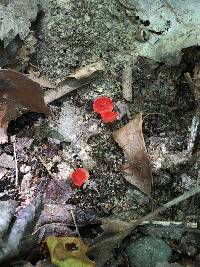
{"points": [[148, 251]]}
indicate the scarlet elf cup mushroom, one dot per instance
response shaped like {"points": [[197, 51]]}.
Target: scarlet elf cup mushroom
{"points": [[104, 106]]}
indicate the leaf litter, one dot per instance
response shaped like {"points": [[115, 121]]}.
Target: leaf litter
{"points": [[45, 176], [75, 80], [56, 218], [48, 214], [119, 230], [131, 140], [13, 87]]}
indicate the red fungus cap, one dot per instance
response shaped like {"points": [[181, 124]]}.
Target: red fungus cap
{"points": [[102, 104], [109, 116], [80, 176]]}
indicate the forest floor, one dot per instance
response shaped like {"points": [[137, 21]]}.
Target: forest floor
{"points": [[43, 151]]}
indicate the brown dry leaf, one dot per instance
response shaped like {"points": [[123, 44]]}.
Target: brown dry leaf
{"points": [[131, 140], [18, 95], [113, 234], [36, 76], [74, 81]]}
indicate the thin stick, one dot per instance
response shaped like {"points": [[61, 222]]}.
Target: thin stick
{"points": [[170, 223], [73, 217], [127, 81], [195, 88], [153, 113], [16, 164]]}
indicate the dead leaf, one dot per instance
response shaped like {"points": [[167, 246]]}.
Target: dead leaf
{"points": [[57, 229], [131, 140], [68, 252], [18, 95], [7, 209], [58, 191], [114, 233], [56, 213], [74, 81], [36, 76]]}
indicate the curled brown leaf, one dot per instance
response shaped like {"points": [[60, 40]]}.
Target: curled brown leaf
{"points": [[18, 95], [73, 81], [130, 139]]}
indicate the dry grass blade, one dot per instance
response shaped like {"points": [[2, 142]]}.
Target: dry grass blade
{"points": [[130, 138]]}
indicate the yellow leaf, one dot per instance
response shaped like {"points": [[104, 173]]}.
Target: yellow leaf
{"points": [[68, 252]]}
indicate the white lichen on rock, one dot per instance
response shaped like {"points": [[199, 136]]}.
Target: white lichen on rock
{"points": [[16, 18]]}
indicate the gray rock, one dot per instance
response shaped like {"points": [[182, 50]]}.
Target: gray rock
{"points": [[15, 19], [166, 264], [174, 25], [148, 251]]}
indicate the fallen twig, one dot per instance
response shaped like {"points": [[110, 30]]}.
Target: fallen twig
{"points": [[16, 164], [194, 85], [73, 217], [171, 223], [127, 81], [166, 206]]}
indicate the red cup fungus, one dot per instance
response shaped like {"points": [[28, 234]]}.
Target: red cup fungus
{"points": [[102, 104], [80, 176], [109, 116]]}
